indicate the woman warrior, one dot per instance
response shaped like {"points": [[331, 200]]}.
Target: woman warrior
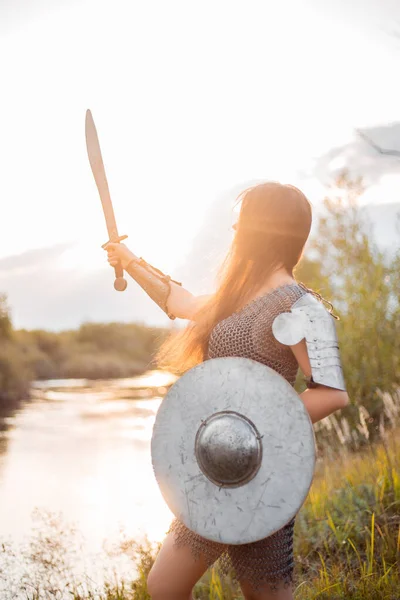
{"points": [[256, 285]]}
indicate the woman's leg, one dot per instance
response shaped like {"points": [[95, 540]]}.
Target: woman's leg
{"points": [[175, 571], [265, 593]]}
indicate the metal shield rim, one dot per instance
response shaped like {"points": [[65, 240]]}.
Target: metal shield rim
{"points": [[227, 371]]}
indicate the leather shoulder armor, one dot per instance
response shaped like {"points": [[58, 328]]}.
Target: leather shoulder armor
{"points": [[308, 319]]}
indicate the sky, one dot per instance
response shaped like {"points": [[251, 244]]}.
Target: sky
{"points": [[192, 101]]}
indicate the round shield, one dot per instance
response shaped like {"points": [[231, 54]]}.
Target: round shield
{"points": [[233, 450]]}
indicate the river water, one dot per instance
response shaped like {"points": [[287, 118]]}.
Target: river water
{"points": [[82, 449]]}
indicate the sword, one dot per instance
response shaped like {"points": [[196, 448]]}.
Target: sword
{"points": [[99, 174]]}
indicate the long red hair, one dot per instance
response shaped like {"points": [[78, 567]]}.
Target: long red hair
{"points": [[273, 226]]}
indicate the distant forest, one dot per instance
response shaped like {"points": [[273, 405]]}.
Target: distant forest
{"points": [[94, 351]]}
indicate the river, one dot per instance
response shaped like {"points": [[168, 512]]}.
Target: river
{"points": [[82, 449]]}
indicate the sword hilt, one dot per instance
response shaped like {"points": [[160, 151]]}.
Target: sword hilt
{"points": [[120, 283]]}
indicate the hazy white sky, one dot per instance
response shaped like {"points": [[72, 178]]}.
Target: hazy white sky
{"points": [[190, 99]]}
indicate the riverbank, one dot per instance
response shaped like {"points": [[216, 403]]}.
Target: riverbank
{"points": [[347, 543], [94, 351]]}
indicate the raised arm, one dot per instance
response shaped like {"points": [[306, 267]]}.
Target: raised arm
{"points": [[183, 304], [170, 295]]}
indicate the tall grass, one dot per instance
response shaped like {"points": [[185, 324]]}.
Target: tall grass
{"points": [[347, 544], [347, 536]]}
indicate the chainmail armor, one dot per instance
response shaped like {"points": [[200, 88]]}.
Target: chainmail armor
{"points": [[248, 333]]}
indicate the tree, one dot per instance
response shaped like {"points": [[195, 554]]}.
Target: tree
{"points": [[363, 284]]}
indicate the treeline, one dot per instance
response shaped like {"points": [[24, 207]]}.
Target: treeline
{"points": [[94, 351], [346, 266]]}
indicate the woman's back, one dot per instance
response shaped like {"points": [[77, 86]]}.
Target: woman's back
{"points": [[248, 332]]}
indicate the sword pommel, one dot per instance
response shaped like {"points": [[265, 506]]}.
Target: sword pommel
{"points": [[120, 284]]}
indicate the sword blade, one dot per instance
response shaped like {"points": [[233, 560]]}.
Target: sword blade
{"points": [[99, 174]]}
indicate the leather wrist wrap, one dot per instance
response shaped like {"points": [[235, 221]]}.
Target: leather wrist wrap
{"points": [[154, 282]]}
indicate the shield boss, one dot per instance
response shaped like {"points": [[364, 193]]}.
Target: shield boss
{"points": [[233, 450]]}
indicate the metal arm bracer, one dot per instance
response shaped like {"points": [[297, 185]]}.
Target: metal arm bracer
{"points": [[308, 319]]}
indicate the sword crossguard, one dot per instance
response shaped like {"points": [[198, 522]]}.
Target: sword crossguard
{"points": [[115, 240]]}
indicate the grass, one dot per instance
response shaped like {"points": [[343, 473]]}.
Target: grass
{"points": [[347, 543], [347, 536]]}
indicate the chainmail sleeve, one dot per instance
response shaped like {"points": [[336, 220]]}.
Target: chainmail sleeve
{"points": [[248, 333]]}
